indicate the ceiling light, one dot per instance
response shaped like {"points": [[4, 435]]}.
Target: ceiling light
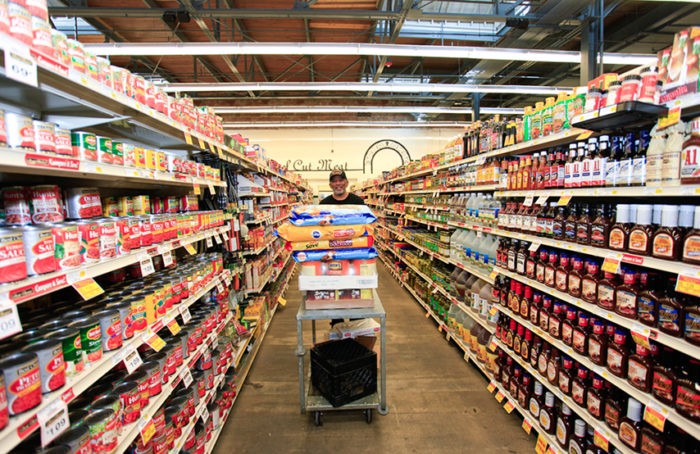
{"points": [[358, 49], [234, 127], [362, 109], [365, 87]]}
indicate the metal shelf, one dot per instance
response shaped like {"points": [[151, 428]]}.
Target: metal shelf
{"points": [[625, 115], [617, 191], [44, 284], [254, 194], [438, 190], [266, 279]]}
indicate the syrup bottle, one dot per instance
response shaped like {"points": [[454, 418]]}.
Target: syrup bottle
{"points": [[575, 277], [547, 413], [639, 369], [648, 299], [626, 295], [564, 426], [577, 443], [526, 345], [641, 234], [664, 377], [598, 344], [613, 408], [606, 291], [589, 283], [579, 386], [618, 354], [595, 398], [619, 232], [630, 425], [553, 366]]}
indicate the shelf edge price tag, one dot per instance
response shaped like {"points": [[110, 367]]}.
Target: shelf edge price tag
{"points": [[655, 415], [212, 189], [494, 273], [601, 439], [500, 396], [509, 407], [190, 249], [146, 266], [9, 318], [209, 242], [611, 264], [132, 360], [541, 446], [19, 65], [53, 420], [493, 345], [671, 118], [689, 283], [188, 139], [173, 327], [217, 238], [282, 301], [147, 428], [88, 288], [202, 144], [527, 425], [197, 189], [185, 313], [528, 200], [167, 258], [564, 200], [154, 341], [640, 335], [186, 377], [534, 246], [541, 200], [491, 387]]}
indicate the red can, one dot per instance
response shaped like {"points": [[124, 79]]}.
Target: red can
{"points": [[123, 233], [22, 375], [45, 137], [129, 394], [63, 144], [107, 238], [142, 379], [89, 241], [4, 18], [12, 259], [41, 36], [66, 238], [39, 249], [45, 204], [37, 8], [17, 210], [20, 23], [52, 368], [157, 228], [134, 224], [83, 203], [146, 231], [4, 413]]}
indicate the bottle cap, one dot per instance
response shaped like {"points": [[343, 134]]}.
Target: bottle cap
{"points": [[633, 213], [580, 428], [643, 215], [549, 400], [685, 216], [696, 222], [669, 216], [656, 216], [623, 213], [538, 388], [634, 410], [565, 409]]}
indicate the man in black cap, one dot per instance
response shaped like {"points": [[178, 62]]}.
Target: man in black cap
{"points": [[341, 196]]}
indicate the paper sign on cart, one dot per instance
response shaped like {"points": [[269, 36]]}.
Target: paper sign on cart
{"points": [[53, 420]]}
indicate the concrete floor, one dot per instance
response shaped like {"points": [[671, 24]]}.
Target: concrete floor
{"points": [[437, 401]]}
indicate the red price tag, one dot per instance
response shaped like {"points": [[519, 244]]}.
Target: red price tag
{"points": [[147, 428], [611, 265], [509, 406], [500, 396], [88, 288], [491, 387]]}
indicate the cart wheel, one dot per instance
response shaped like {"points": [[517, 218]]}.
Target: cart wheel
{"points": [[368, 415], [317, 418]]}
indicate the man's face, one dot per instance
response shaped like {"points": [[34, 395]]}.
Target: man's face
{"points": [[338, 185]]}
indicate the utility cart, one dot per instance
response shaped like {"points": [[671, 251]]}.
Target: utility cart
{"points": [[311, 400]]}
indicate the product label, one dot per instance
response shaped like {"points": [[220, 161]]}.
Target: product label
{"points": [[574, 284], [598, 235], [614, 361], [662, 386], [588, 289], [577, 392], [637, 373], [594, 350], [692, 327], [691, 248], [617, 239], [594, 405], [645, 309], [606, 296], [564, 383], [561, 280], [690, 168], [688, 400], [580, 342], [638, 240], [626, 302], [628, 434], [669, 318]]}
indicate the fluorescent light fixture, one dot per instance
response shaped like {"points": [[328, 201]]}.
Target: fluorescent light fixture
{"points": [[365, 87], [358, 49], [362, 109], [232, 128]]}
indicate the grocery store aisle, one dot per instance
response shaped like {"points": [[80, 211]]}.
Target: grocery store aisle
{"points": [[436, 400]]}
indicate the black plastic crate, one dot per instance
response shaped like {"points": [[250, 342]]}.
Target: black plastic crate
{"points": [[343, 371]]}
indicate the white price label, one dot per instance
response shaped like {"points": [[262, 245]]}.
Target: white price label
{"points": [[147, 267], [186, 378], [19, 64], [205, 415], [168, 258], [220, 287], [534, 246], [217, 238], [212, 190], [53, 421], [528, 200], [9, 318], [132, 360], [209, 242], [185, 312], [541, 200]]}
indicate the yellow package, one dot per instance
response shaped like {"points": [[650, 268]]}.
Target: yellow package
{"points": [[320, 232], [363, 241]]}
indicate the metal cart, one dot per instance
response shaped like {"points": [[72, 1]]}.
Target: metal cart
{"points": [[310, 399]]}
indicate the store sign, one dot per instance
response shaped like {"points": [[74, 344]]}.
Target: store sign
{"points": [[319, 165]]}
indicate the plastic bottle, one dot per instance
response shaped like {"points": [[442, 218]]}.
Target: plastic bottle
{"points": [[690, 164], [671, 166]]}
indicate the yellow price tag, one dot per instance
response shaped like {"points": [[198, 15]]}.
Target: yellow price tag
{"points": [[688, 284], [88, 288], [500, 396], [564, 200], [509, 407], [202, 144], [541, 446], [197, 190], [282, 301], [493, 345], [673, 117], [493, 274], [188, 138], [584, 136], [189, 248], [611, 265], [147, 431], [211, 148], [551, 450], [656, 416], [601, 440], [527, 425], [491, 387], [640, 335], [173, 327], [155, 342], [427, 314]]}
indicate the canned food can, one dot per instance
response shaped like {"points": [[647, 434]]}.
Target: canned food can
{"points": [[51, 365], [45, 204], [127, 322], [129, 155], [77, 55], [125, 206], [84, 145], [117, 78], [83, 203], [108, 238], [118, 153], [20, 22], [4, 412], [146, 232], [59, 42], [104, 150], [72, 349], [153, 369], [161, 161], [171, 204], [39, 249], [110, 207], [130, 397], [16, 205], [63, 142], [91, 66], [12, 259], [90, 338], [44, 137], [20, 131], [138, 312], [157, 228], [66, 240], [41, 36], [105, 71], [3, 129], [77, 439], [110, 328], [157, 205], [110, 402], [189, 203], [37, 8], [134, 232], [89, 233], [4, 18], [103, 430], [139, 157], [23, 381], [142, 205]]}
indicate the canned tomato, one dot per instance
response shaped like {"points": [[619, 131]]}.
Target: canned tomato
{"points": [[20, 22], [84, 145], [139, 157], [82, 203], [160, 443], [134, 232], [104, 149], [12, 259], [105, 71], [161, 162], [20, 131], [51, 365], [153, 369], [103, 430], [110, 328], [110, 207], [17, 210], [125, 206], [77, 55], [141, 204], [71, 347], [110, 402], [157, 228], [157, 205], [138, 311], [45, 204], [66, 240], [89, 233], [107, 238], [123, 231], [44, 136], [39, 248], [142, 378], [63, 142], [41, 36], [189, 203], [91, 66], [59, 42], [130, 397], [23, 381], [118, 153], [146, 232], [77, 439], [127, 323], [90, 337], [129, 155], [4, 413]]}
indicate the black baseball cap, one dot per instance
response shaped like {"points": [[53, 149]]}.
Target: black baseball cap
{"points": [[338, 173]]}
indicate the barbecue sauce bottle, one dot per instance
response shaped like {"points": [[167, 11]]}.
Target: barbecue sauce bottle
{"points": [[630, 425], [663, 377], [648, 299], [600, 228], [619, 232]]}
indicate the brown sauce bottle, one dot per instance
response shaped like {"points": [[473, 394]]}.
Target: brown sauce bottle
{"points": [[600, 228], [575, 277], [579, 386], [564, 426], [526, 345], [663, 377], [619, 232], [541, 264], [581, 333], [639, 368], [630, 425], [626, 295], [583, 226], [589, 283], [535, 308], [641, 234], [595, 398], [671, 309], [567, 327], [547, 414], [556, 319], [690, 252], [613, 408], [666, 242], [598, 344], [606, 291], [558, 224], [618, 354], [688, 390], [545, 312], [562, 273], [648, 299], [553, 366], [566, 376], [526, 302], [550, 269]]}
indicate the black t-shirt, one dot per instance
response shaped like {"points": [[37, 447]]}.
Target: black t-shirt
{"points": [[351, 199]]}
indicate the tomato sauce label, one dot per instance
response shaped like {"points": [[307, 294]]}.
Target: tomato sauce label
{"points": [[12, 258], [24, 388]]}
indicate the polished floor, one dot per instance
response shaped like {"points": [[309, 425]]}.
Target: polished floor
{"points": [[437, 402]]}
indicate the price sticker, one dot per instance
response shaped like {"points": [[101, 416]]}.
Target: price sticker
{"points": [[640, 335], [154, 341], [186, 377], [527, 425], [205, 415], [220, 287], [541, 200], [493, 345], [185, 313], [224, 235], [147, 266], [671, 118], [491, 387], [197, 189], [282, 301], [53, 421], [509, 407], [209, 242], [217, 238], [601, 438], [19, 64], [541, 446], [427, 314], [147, 428], [88, 288], [528, 200], [168, 259], [202, 144], [585, 135], [611, 264], [440, 328], [494, 273], [534, 246], [9, 318], [190, 249], [552, 450], [173, 327], [188, 138], [564, 200], [435, 289], [500, 396], [688, 283], [132, 360], [212, 189], [655, 415]]}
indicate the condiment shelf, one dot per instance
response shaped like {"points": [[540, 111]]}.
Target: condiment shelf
{"points": [[677, 343], [131, 432], [437, 190], [426, 207], [260, 249], [27, 289], [421, 248], [620, 383], [614, 191], [266, 280], [628, 114], [254, 194], [15, 161], [581, 412]]}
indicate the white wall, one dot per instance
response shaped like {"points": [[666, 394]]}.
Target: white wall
{"points": [[314, 152]]}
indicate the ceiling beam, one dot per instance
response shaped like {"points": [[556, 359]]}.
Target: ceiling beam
{"points": [[311, 57], [405, 8]]}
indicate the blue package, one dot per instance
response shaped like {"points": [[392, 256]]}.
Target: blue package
{"points": [[335, 254]]}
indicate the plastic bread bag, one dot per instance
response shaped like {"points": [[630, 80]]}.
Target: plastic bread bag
{"points": [[363, 241], [335, 254], [320, 232], [331, 215]]}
